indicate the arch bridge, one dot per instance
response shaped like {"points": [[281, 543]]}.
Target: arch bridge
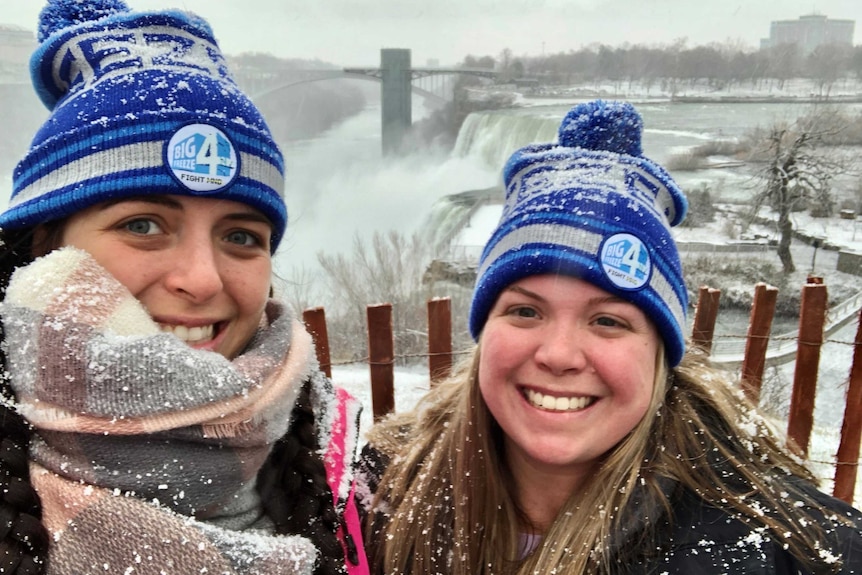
{"points": [[395, 75]]}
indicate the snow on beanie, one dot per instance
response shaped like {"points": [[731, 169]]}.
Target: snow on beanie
{"points": [[593, 207], [141, 103]]}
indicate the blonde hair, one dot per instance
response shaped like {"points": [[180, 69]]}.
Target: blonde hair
{"points": [[445, 502]]}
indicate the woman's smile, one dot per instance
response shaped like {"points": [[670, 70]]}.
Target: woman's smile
{"points": [[191, 335], [550, 402]]}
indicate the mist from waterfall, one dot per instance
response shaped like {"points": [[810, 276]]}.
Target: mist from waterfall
{"points": [[340, 188]]}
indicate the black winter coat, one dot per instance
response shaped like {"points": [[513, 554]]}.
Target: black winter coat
{"points": [[705, 540], [700, 539]]}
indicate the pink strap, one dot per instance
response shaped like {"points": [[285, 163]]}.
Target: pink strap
{"points": [[338, 459], [352, 544]]}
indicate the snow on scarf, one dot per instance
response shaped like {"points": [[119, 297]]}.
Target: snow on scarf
{"points": [[144, 445]]}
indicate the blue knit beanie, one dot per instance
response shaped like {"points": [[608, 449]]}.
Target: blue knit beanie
{"points": [[141, 103], [592, 207]]}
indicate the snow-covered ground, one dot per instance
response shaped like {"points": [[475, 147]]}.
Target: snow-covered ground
{"points": [[797, 88]]}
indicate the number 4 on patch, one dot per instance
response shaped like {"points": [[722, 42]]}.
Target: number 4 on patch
{"points": [[208, 154], [215, 153], [636, 258]]}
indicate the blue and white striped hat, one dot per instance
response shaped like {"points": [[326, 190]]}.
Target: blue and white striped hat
{"points": [[141, 103], [593, 207]]}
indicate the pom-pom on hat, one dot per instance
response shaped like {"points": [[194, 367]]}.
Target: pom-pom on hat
{"points": [[593, 207], [141, 103]]}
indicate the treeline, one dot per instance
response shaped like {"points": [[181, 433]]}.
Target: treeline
{"points": [[719, 65]]}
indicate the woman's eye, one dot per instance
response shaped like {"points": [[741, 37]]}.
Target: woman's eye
{"points": [[605, 321], [522, 311], [242, 238], [142, 227]]}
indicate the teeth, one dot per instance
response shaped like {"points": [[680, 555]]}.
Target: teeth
{"points": [[190, 334], [552, 403]]}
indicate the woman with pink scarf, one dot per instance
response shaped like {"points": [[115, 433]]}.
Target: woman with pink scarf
{"points": [[163, 412]]}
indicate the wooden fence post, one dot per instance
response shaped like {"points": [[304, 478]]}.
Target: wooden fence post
{"points": [[705, 315], [381, 358], [754, 361], [439, 339], [847, 460], [315, 322], [812, 315]]}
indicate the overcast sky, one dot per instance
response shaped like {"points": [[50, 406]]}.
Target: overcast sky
{"points": [[351, 32]]}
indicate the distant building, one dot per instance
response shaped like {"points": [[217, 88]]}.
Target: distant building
{"points": [[16, 45], [809, 32]]}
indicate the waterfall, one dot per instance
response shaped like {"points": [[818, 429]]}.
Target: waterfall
{"points": [[489, 138], [486, 140], [451, 213]]}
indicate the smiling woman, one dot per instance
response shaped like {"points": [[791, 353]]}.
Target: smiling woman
{"points": [[582, 437], [163, 413]]}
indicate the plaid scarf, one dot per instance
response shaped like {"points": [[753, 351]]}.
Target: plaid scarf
{"points": [[145, 448]]}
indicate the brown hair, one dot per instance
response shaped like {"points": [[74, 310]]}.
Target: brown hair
{"points": [[445, 501]]}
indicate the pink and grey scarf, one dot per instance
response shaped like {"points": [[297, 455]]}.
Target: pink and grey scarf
{"points": [[146, 450]]}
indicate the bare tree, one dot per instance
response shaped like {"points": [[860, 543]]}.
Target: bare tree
{"points": [[797, 173], [299, 288], [504, 64], [784, 62], [827, 64], [390, 268]]}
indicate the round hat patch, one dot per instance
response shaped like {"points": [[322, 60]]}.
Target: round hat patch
{"points": [[202, 158], [625, 261]]}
